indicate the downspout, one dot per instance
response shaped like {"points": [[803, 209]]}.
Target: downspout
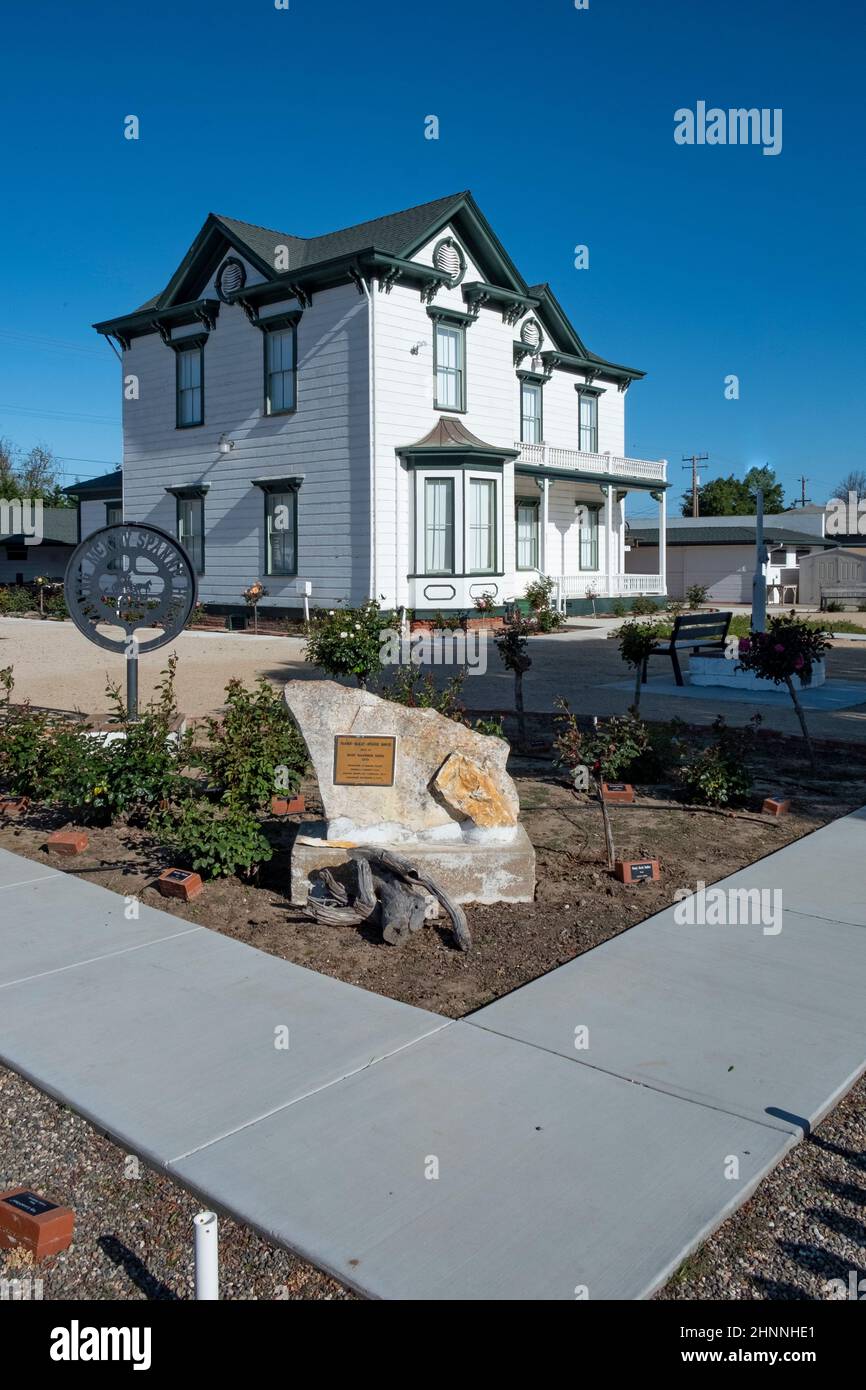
{"points": [[371, 406]]}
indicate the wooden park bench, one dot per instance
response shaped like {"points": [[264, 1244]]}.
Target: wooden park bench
{"points": [[694, 632]]}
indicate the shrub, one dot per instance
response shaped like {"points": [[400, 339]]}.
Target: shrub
{"points": [[492, 728], [215, 841], [539, 596], [675, 608], [23, 764], [55, 606], [17, 599], [610, 749], [347, 641], [485, 603], [834, 606], [643, 606], [636, 641], [719, 774], [254, 748], [407, 686], [618, 608], [696, 595]]}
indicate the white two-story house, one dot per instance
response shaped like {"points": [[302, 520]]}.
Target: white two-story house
{"points": [[388, 410]]}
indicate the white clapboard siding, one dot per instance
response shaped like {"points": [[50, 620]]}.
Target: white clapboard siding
{"points": [[326, 441]]}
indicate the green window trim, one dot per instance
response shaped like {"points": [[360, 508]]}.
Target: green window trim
{"points": [[191, 504], [438, 531], [474, 529], [531, 423], [283, 327], [587, 432], [273, 499], [591, 565], [527, 504], [184, 351], [445, 332]]}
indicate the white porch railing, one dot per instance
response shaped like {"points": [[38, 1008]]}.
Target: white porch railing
{"points": [[621, 585], [576, 461]]}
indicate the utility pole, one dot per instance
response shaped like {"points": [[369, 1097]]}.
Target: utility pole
{"points": [[803, 498], [694, 463]]}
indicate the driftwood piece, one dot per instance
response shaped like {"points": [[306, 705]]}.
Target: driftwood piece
{"points": [[404, 869], [376, 884]]}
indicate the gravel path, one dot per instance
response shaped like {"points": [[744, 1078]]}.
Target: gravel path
{"points": [[805, 1225]]}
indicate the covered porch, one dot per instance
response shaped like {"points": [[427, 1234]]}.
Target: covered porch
{"points": [[570, 523]]}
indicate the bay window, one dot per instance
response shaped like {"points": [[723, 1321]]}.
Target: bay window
{"points": [[439, 525], [482, 525]]}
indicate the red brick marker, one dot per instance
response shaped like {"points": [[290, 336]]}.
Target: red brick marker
{"points": [[775, 806], [636, 870], [12, 806], [622, 792], [287, 806], [67, 842], [33, 1223], [179, 883]]}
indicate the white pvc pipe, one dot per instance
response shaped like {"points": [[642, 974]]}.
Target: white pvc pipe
{"points": [[207, 1277]]}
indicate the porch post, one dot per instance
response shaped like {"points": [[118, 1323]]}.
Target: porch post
{"points": [[661, 498], [608, 538]]}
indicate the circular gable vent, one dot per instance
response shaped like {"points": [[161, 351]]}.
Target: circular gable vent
{"points": [[448, 258], [531, 334], [232, 276]]}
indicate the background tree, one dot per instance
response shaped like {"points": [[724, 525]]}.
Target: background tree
{"points": [[35, 474], [855, 481], [732, 496]]}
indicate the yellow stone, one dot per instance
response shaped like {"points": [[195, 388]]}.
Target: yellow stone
{"points": [[470, 792]]}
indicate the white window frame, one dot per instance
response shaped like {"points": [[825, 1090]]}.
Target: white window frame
{"points": [[457, 373]]}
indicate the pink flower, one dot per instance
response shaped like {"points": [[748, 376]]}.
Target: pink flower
{"points": [[799, 663], [778, 647], [745, 644]]}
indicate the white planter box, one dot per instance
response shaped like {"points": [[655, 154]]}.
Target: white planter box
{"points": [[720, 670]]}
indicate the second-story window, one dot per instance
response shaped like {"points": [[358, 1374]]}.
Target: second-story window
{"points": [[530, 412], [280, 371], [588, 423], [449, 366], [190, 386]]}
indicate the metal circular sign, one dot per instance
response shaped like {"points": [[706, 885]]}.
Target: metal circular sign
{"points": [[130, 576]]}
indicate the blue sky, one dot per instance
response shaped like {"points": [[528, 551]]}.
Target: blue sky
{"points": [[704, 261]]}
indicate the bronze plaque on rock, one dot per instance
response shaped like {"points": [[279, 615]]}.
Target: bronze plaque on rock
{"points": [[363, 761]]}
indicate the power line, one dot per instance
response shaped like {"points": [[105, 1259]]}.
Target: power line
{"points": [[52, 344], [61, 415]]}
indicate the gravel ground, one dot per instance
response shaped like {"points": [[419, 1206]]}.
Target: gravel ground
{"points": [[133, 1234], [805, 1225]]}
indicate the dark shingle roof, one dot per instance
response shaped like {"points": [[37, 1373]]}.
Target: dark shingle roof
{"points": [[107, 484], [59, 527], [391, 234], [723, 535]]}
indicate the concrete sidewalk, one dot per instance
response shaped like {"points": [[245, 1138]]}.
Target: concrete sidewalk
{"points": [[416, 1157]]}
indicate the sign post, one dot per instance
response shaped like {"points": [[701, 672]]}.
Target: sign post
{"points": [[132, 576]]}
